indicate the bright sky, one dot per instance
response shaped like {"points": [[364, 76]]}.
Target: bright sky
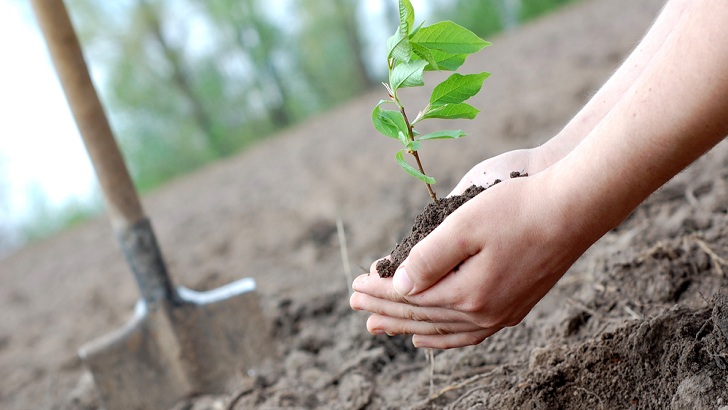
{"points": [[39, 144]]}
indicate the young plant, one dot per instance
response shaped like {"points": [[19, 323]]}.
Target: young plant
{"points": [[412, 50]]}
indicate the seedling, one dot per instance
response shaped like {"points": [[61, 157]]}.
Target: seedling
{"points": [[412, 50]]}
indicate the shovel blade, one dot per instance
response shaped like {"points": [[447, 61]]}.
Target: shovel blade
{"points": [[166, 353]]}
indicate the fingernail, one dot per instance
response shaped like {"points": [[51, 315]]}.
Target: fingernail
{"points": [[359, 281], [416, 342], [377, 331], [401, 282]]}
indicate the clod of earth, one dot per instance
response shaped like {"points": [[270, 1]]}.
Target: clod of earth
{"points": [[426, 222]]}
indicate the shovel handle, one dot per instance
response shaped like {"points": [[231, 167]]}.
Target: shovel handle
{"points": [[118, 189], [133, 229]]}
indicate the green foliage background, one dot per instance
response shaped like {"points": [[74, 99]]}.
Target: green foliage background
{"points": [[187, 82], [190, 81]]}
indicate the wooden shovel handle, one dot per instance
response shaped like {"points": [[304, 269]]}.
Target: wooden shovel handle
{"points": [[65, 50]]}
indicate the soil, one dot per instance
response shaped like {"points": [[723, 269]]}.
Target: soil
{"points": [[640, 321], [426, 222]]}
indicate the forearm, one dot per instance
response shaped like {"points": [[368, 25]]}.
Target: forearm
{"points": [[675, 111], [614, 89]]}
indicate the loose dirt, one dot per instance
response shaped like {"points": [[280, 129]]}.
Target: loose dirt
{"points": [[640, 320]]}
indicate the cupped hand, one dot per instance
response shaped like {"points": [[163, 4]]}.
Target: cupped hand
{"points": [[482, 269], [484, 174]]}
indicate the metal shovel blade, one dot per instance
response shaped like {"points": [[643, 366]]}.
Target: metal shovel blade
{"points": [[165, 352], [179, 342]]}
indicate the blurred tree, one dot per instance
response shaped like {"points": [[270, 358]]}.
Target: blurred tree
{"points": [[177, 100], [483, 17], [246, 31], [332, 49], [188, 81], [174, 59], [191, 80], [346, 14], [487, 17]]}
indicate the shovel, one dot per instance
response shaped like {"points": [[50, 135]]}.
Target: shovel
{"points": [[179, 342]]}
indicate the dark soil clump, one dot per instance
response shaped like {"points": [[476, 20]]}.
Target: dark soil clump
{"points": [[427, 221], [675, 359]]}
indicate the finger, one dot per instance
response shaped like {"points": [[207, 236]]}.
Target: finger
{"points": [[464, 184], [373, 285], [381, 288], [451, 341], [436, 255], [362, 301], [453, 293], [448, 293], [379, 324], [483, 175]]}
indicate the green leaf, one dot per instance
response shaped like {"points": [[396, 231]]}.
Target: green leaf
{"points": [[439, 135], [412, 33], [449, 37], [403, 138], [407, 75], [388, 122], [452, 111], [406, 17], [457, 88], [445, 61], [412, 170], [399, 47], [425, 54]]}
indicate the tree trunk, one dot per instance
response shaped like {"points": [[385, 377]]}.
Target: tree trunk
{"points": [[346, 10], [182, 81]]}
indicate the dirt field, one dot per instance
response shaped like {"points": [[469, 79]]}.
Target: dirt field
{"points": [[638, 322]]}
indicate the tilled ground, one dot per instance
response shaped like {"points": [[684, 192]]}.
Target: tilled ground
{"points": [[638, 322]]}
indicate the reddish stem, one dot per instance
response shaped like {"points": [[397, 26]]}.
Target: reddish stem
{"points": [[411, 136]]}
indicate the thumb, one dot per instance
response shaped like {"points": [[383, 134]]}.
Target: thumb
{"points": [[434, 256]]}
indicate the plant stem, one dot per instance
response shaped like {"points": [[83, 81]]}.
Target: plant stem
{"points": [[411, 136]]}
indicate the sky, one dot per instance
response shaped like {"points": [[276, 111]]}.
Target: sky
{"points": [[40, 148]]}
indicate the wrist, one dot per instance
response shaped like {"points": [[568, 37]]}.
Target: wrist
{"points": [[552, 151], [588, 199]]}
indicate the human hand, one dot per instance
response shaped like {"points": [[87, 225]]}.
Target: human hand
{"points": [[484, 174], [482, 269]]}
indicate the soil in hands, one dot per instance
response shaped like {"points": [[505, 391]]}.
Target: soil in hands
{"points": [[427, 221]]}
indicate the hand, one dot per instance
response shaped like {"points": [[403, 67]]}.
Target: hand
{"points": [[500, 167], [481, 270]]}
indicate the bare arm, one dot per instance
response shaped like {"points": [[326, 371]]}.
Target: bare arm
{"points": [[613, 90], [675, 111], [538, 159]]}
